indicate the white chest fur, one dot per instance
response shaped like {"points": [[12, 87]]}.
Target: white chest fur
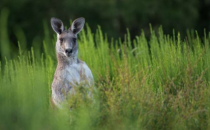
{"points": [[78, 74], [70, 76]]}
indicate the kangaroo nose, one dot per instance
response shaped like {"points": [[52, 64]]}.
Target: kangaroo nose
{"points": [[68, 51]]}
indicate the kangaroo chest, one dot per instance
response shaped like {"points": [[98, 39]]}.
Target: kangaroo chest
{"points": [[68, 76], [77, 73]]}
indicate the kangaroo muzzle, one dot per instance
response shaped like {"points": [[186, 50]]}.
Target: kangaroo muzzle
{"points": [[68, 52]]}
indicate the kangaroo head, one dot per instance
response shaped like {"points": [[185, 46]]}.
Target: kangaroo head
{"points": [[66, 44]]}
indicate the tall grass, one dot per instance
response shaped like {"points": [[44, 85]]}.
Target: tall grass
{"points": [[160, 83]]}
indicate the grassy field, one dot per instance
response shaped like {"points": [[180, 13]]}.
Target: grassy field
{"points": [[161, 86]]}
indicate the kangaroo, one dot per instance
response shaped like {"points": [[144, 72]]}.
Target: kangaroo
{"points": [[70, 71]]}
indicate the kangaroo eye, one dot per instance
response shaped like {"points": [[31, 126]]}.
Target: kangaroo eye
{"points": [[61, 40], [74, 40]]}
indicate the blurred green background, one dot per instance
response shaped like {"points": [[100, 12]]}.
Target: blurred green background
{"points": [[114, 16]]}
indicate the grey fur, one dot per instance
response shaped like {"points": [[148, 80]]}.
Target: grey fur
{"points": [[57, 25], [70, 71]]}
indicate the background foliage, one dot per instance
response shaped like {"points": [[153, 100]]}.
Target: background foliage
{"points": [[114, 16]]}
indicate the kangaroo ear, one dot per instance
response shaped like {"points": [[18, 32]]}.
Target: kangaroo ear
{"points": [[57, 25], [77, 25]]}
